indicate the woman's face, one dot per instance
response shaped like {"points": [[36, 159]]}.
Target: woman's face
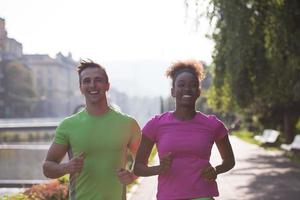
{"points": [[186, 89]]}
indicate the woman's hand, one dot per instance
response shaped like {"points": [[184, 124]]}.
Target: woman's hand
{"points": [[141, 167], [165, 163], [209, 173]]}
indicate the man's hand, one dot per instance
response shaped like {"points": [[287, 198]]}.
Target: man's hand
{"points": [[165, 163], [76, 164], [209, 173], [125, 177]]}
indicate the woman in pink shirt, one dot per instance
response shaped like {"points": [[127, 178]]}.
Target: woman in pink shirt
{"points": [[184, 139]]}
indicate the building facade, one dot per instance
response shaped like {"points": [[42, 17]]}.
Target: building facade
{"points": [[55, 80], [9, 48], [55, 83]]}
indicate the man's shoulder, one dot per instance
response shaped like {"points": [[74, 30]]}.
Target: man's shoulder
{"points": [[72, 119], [121, 115]]}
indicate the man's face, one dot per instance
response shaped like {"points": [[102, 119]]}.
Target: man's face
{"points": [[93, 85]]}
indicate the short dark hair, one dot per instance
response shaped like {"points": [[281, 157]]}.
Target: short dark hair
{"points": [[84, 64], [193, 66]]}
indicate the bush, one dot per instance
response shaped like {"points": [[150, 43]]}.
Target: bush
{"points": [[19, 196], [54, 190]]}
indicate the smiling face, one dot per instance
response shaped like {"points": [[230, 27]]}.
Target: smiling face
{"points": [[94, 85], [186, 90]]}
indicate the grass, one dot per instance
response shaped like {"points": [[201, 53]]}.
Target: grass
{"points": [[153, 153], [295, 157], [248, 136]]}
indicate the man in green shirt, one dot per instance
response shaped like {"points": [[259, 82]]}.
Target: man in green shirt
{"points": [[96, 140]]}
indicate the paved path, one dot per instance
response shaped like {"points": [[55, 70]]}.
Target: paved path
{"points": [[146, 188], [258, 175]]}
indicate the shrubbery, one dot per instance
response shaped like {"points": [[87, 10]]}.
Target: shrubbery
{"points": [[54, 190]]}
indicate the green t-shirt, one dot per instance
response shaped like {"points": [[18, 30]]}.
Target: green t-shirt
{"points": [[104, 140]]}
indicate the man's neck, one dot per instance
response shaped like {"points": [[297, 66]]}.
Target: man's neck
{"points": [[97, 109]]}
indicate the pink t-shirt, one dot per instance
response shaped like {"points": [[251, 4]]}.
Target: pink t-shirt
{"points": [[190, 142]]}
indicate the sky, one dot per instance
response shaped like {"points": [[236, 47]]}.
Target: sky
{"points": [[109, 31]]}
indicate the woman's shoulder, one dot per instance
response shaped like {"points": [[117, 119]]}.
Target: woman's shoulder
{"points": [[162, 116], [159, 118], [209, 118]]}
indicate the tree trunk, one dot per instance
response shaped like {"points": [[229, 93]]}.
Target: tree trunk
{"points": [[289, 126]]}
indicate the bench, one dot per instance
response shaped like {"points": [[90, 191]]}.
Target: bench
{"points": [[295, 145], [268, 136]]}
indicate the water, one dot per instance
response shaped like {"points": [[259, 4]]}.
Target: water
{"points": [[23, 150], [22, 161]]}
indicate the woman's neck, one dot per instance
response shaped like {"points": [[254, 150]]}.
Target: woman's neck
{"points": [[185, 113]]}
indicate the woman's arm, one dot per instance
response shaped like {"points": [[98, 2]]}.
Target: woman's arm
{"points": [[210, 173], [141, 167], [227, 155]]}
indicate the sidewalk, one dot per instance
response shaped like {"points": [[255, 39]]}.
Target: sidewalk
{"points": [[257, 175], [146, 188]]}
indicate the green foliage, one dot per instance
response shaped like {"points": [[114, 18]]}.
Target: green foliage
{"points": [[246, 136], [152, 154], [298, 125], [293, 157], [18, 87], [54, 190], [257, 60], [19, 196], [219, 98], [64, 179]]}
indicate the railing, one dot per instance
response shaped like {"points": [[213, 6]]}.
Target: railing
{"points": [[29, 124], [32, 129]]}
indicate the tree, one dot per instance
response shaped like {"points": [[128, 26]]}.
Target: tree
{"points": [[19, 94], [257, 60]]}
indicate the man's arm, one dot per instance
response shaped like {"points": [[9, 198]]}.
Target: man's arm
{"points": [[125, 176], [133, 146], [53, 168]]}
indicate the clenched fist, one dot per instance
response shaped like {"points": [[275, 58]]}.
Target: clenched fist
{"points": [[125, 177], [76, 164], [209, 173], [165, 163]]}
